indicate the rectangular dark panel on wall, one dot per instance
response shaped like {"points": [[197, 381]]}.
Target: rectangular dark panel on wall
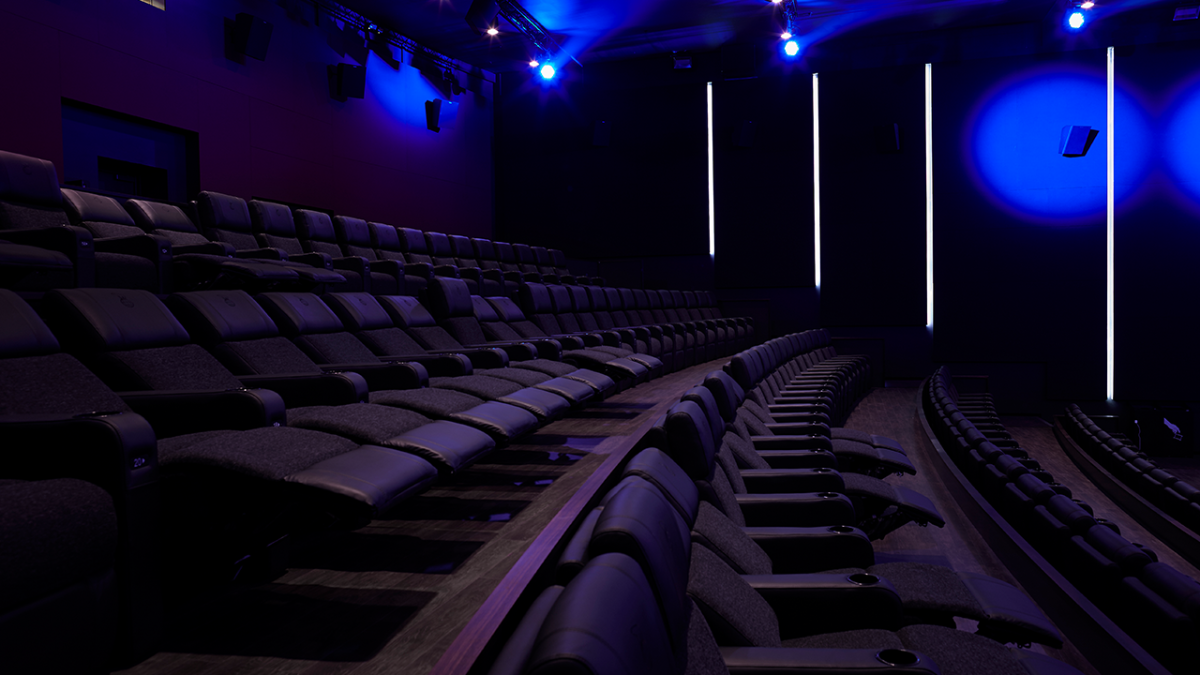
{"points": [[1019, 229], [764, 184], [643, 191], [1157, 223], [873, 197]]}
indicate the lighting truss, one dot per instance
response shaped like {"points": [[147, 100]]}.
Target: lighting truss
{"points": [[792, 15], [520, 18]]}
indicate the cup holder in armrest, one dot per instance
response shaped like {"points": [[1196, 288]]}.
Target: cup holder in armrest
{"points": [[863, 579], [828, 495], [841, 529], [898, 657]]}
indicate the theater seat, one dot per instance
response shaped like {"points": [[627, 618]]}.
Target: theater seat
{"points": [[354, 237]]}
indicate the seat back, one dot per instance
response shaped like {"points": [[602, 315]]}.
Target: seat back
{"points": [[439, 248], [464, 251], [315, 230], [167, 221], [409, 314], [386, 241], [274, 226], [354, 237], [539, 308], [485, 253], [314, 327], [451, 303], [101, 215], [29, 193], [412, 242], [226, 218], [363, 316], [506, 257]]}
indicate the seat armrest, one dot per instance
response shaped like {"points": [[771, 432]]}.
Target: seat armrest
{"points": [[760, 481], [450, 271], [570, 341], [261, 253], [147, 246], [546, 348], [592, 339], [799, 459], [116, 450], [513, 275], [385, 375], [211, 248], [828, 603], [439, 364], [781, 660], [313, 259], [799, 429], [812, 417], [174, 413], [472, 273], [796, 550], [791, 443], [353, 263], [493, 274], [499, 356], [804, 509], [308, 389], [392, 267], [419, 269]]}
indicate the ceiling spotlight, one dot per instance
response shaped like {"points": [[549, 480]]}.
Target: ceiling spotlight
{"points": [[791, 48], [493, 31], [776, 2], [1075, 20], [787, 35], [1087, 4], [547, 72], [682, 61], [1186, 13], [533, 63]]}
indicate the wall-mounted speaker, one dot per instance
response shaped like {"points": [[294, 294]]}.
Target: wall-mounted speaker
{"points": [[601, 134], [482, 15], [252, 36], [347, 81], [1074, 141], [440, 114]]}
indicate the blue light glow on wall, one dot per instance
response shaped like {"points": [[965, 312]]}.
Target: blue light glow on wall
{"points": [[402, 92], [1012, 140], [1178, 145]]}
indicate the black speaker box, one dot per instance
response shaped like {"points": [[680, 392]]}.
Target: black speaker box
{"points": [[351, 80], [482, 15], [252, 35]]}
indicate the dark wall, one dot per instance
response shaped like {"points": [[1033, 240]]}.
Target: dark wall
{"points": [[266, 129]]}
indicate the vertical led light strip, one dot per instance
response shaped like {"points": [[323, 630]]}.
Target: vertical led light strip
{"points": [[1111, 78], [816, 188], [712, 208], [929, 195]]}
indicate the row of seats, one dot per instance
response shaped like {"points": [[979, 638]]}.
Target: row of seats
{"points": [[239, 418], [723, 563], [1136, 469], [1150, 600]]}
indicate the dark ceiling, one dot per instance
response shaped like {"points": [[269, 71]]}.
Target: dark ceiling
{"points": [[605, 30]]}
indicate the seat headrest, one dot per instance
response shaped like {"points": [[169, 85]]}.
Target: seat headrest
{"points": [[272, 218], [461, 246], [704, 398], [106, 319], [358, 311], [727, 393], [590, 623], [739, 368], [449, 298], [690, 440], [504, 252], [579, 299], [352, 230], [439, 244], [613, 296], [658, 469], [535, 299], [300, 313], [384, 237], [152, 216], [87, 207], [542, 256], [223, 212], [668, 300], [506, 309], [28, 179], [406, 311], [627, 299], [597, 297], [689, 299], [213, 317], [560, 299], [22, 332], [411, 241], [524, 254], [654, 298], [314, 225], [639, 522], [484, 249], [559, 258], [483, 309], [639, 299]]}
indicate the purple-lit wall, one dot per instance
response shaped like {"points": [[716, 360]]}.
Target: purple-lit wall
{"points": [[267, 129]]}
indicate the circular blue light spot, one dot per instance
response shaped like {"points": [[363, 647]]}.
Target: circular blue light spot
{"points": [[1075, 20], [791, 48], [548, 72]]}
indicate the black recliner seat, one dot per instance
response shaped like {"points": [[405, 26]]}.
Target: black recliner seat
{"points": [[458, 313], [685, 337], [490, 281], [718, 339], [527, 263], [18, 261], [580, 309], [315, 231], [354, 237], [620, 299], [485, 253], [625, 371], [665, 331], [561, 301], [775, 449], [114, 231], [545, 265], [227, 219], [706, 337], [416, 250], [316, 329], [442, 254], [538, 305], [559, 260], [509, 265], [236, 329], [32, 214], [386, 241], [135, 345], [58, 551], [198, 262]]}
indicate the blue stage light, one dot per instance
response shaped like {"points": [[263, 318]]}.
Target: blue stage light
{"points": [[791, 48], [1075, 20], [547, 72]]}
